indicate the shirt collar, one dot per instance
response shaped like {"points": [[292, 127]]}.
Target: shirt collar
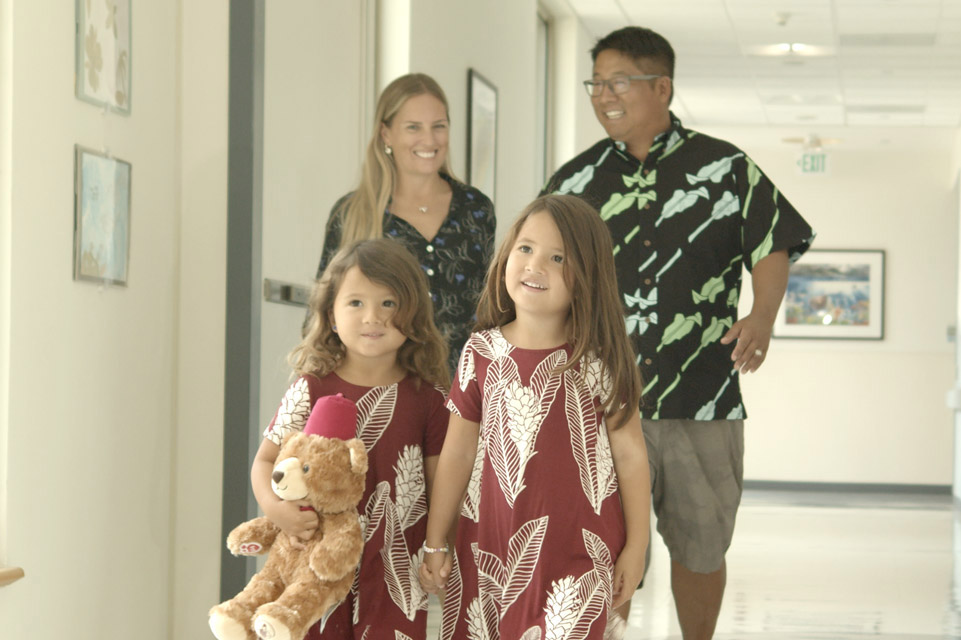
{"points": [[663, 142]]}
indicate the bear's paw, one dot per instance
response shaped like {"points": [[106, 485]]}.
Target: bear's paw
{"points": [[269, 628]]}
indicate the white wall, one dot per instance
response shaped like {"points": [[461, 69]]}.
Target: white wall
{"points": [[864, 412], [316, 83], [91, 369], [106, 391], [496, 38], [197, 465], [571, 66]]}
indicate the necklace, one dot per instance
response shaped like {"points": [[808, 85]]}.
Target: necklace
{"points": [[422, 209]]}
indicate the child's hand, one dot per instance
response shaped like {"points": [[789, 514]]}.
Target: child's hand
{"points": [[628, 571], [299, 526], [434, 572]]}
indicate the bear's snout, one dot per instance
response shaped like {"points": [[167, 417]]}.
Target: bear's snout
{"points": [[287, 480]]}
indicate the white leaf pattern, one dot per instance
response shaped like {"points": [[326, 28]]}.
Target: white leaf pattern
{"points": [[491, 344], [594, 587], [374, 412], [524, 552], [574, 605], [522, 409], [476, 625], [293, 412], [471, 505], [401, 636], [589, 443], [466, 372], [374, 511], [534, 633], [452, 599], [409, 486], [404, 589], [561, 609]]}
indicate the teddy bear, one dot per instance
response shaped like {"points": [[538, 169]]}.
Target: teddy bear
{"points": [[297, 587]]}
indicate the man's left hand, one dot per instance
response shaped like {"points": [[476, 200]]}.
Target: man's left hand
{"points": [[753, 337]]}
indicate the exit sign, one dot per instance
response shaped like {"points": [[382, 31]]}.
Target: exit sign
{"points": [[813, 162]]}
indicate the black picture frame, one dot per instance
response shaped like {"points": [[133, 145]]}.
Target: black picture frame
{"points": [[481, 133]]}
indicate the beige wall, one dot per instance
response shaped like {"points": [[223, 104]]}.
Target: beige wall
{"points": [[865, 411], [91, 369], [112, 396], [197, 464], [467, 29]]}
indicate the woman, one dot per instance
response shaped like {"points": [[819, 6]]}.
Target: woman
{"points": [[407, 193]]}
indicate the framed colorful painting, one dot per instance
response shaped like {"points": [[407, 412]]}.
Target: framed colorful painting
{"points": [[834, 294], [103, 53], [101, 218]]}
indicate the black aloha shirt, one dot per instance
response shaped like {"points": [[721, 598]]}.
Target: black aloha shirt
{"points": [[683, 222], [455, 260]]}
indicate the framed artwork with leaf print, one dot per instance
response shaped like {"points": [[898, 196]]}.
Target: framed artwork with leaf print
{"points": [[103, 53]]}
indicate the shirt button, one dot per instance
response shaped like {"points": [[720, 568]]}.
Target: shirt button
{"points": [[646, 280], [430, 272], [648, 361], [430, 248], [647, 206], [647, 243]]}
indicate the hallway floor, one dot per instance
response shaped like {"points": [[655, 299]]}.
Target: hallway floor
{"points": [[825, 566]]}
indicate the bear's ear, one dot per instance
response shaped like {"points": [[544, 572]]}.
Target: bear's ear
{"points": [[358, 456], [290, 435]]}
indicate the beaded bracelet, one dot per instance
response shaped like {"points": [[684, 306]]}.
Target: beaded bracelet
{"points": [[444, 549]]}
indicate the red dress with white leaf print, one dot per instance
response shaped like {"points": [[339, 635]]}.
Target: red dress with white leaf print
{"points": [[541, 525], [400, 424]]}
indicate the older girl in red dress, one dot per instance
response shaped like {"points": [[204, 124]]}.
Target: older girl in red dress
{"points": [[544, 457]]}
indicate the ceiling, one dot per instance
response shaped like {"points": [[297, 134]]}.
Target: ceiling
{"points": [[866, 63]]}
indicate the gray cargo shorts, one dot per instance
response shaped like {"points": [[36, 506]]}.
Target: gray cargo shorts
{"points": [[697, 476]]}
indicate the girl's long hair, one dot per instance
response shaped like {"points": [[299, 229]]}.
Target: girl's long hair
{"points": [[387, 263], [363, 212], [596, 322]]}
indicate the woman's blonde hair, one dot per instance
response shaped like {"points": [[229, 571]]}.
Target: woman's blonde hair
{"points": [[389, 264], [363, 212], [596, 323]]}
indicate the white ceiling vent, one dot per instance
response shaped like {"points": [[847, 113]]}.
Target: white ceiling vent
{"points": [[887, 39], [885, 108]]}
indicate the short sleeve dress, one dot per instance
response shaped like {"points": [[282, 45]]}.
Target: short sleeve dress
{"points": [[541, 524], [400, 425]]}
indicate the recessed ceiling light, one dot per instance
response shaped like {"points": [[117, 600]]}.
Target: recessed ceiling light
{"points": [[789, 49]]}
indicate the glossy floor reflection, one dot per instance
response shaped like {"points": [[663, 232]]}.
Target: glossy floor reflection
{"points": [[825, 566]]}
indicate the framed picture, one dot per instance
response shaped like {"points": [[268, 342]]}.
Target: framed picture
{"points": [[103, 53], [836, 294], [481, 133], [101, 217]]}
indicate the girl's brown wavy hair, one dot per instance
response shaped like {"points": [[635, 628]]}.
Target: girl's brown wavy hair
{"points": [[389, 264], [596, 322]]}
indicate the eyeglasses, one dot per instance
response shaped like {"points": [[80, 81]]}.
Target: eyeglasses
{"points": [[617, 84]]}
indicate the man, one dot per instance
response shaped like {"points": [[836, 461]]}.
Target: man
{"points": [[685, 212]]}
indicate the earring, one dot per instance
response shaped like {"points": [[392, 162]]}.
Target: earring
{"points": [[387, 149], [334, 328]]}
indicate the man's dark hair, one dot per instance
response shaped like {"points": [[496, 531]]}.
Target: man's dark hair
{"points": [[639, 44]]}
